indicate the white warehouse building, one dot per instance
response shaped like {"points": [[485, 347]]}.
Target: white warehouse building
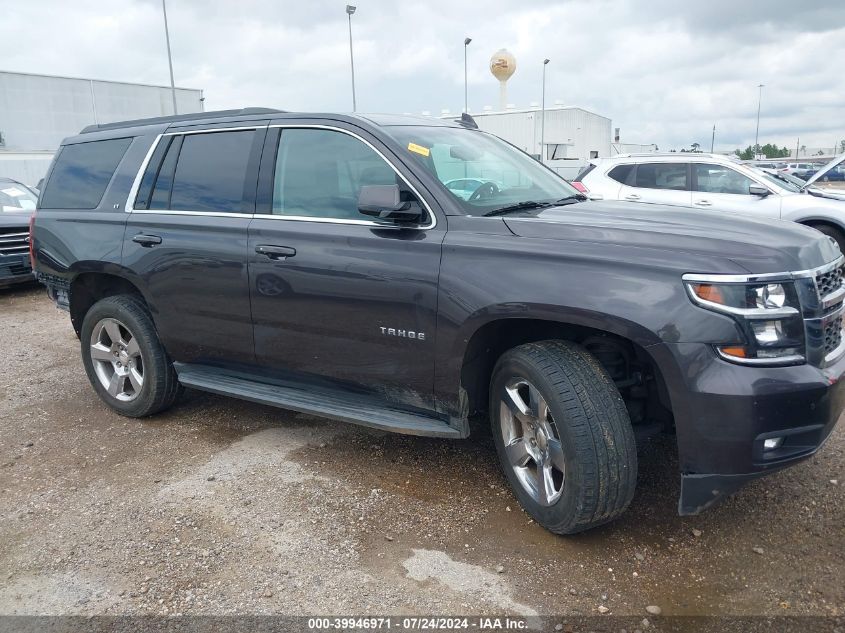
{"points": [[572, 135], [38, 111]]}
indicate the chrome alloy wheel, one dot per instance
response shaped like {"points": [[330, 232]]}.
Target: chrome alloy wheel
{"points": [[117, 359], [532, 441]]}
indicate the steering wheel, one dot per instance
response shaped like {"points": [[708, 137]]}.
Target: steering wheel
{"points": [[486, 189]]}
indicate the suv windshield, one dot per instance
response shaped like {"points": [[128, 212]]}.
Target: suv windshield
{"points": [[16, 197], [482, 172], [784, 181]]}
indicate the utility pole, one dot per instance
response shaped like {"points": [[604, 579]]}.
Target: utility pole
{"points": [[797, 145], [169, 58], [757, 133], [350, 9], [467, 40], [543, 115], [713, 138]]}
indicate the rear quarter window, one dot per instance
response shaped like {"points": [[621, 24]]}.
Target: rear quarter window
{"points": [[622, 174], [81, 174]]}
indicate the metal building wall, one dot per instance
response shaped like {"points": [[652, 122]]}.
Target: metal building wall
{"points": [[38, 111], [580, 130]]}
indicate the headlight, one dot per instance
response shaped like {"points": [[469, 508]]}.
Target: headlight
{"points": [[768, 314]]}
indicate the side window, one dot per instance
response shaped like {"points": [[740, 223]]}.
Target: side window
{"points": [[197, 172], [319, 173], [81, 174], [622, 174], [662, 176], [721, 179], [210, 171]]}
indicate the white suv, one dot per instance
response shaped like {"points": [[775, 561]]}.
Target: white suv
{"points": [[712, 181]]}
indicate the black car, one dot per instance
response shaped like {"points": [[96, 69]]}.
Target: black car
{"points": [[17, 204], [319, 262]]}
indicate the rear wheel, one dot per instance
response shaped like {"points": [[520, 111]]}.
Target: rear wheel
{"points": [[125, 362], [563, 436]]}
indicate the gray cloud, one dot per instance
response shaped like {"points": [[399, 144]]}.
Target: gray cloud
{"points": [[664, 71]]}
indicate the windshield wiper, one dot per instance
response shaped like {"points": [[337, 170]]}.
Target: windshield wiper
{"points": [[519, 206], [575, 197]]}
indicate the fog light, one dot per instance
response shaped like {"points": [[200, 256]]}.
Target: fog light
{"points": [[768, 332], [772, 443]]}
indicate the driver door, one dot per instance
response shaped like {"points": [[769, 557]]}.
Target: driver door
{"points": [[334, 293], [720, 188]]}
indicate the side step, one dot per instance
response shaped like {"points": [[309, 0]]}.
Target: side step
{"points": [[320, 400]]}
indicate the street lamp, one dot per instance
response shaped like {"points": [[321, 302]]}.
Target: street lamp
{"points": [[169, 59], [467, 40], [543, 116], [757, 133], [350, 9]]}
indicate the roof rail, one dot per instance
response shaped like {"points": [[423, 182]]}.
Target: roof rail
{"points": [[178, 118], [731, 157]]}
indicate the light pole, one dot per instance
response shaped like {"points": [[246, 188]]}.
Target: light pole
{"points": [[757, 133], [169, 58], [713, 138], [543, 116], [350, 9], [467, 40]]}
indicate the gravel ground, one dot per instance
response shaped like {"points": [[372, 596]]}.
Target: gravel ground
{"points": [[227, 507]]}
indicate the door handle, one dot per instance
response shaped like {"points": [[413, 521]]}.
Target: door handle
{"points": [[632, 196], [146, 240], [704, 203], [275, 252]]}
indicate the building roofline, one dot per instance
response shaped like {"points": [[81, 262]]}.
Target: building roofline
{"points": [[103, 81]]}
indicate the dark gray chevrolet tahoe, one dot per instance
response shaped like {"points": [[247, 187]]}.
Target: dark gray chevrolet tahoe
{"points": [[403, 272]]}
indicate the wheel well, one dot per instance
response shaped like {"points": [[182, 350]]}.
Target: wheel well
{"points": [[632, 369], [88, 288], [815, 224]]}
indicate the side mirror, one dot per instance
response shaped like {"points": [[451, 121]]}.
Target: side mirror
{"points": [[758, 190], [384, 202]]}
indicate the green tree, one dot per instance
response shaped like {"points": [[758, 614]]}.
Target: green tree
{"points": [[769, 150]]}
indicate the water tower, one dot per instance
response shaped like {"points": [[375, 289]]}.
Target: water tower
{"points": [[503, 65]]}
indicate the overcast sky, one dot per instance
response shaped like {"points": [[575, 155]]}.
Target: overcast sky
{"points": [[663, 70]]}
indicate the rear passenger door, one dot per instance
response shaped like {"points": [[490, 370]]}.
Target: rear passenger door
{"points": [[186, 238], [658, 183]]}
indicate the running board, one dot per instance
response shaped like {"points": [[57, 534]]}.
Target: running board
{"points": [[357, 408]]}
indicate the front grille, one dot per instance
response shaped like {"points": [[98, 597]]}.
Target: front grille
{"points": [[14, 240], [832, 335], [830, 281]]}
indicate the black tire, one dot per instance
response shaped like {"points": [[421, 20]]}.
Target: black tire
{"points": [[592, 424], [160, 386], [832, 232]]}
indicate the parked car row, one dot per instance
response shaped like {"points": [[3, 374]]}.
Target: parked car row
{"points": [[17, 204], [712, 181]]}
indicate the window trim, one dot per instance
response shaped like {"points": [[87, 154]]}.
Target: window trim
{"points": [[136, 184], [133, 191], [304, 218]]}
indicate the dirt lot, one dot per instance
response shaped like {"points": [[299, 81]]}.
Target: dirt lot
{"points": [[224, 507]]}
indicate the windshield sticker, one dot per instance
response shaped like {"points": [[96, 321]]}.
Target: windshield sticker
{"points": [[419, 149], [17, 193]]}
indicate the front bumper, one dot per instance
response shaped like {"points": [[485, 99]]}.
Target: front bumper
{"points": [[15, 269], [724, 412]]}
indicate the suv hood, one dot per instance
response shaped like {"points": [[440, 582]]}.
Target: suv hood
{"points": [[14, 218], [820, 173], [758, 246]]}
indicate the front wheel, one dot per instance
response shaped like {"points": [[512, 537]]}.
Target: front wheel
{"points": [[563, 436], [125, 362]]}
